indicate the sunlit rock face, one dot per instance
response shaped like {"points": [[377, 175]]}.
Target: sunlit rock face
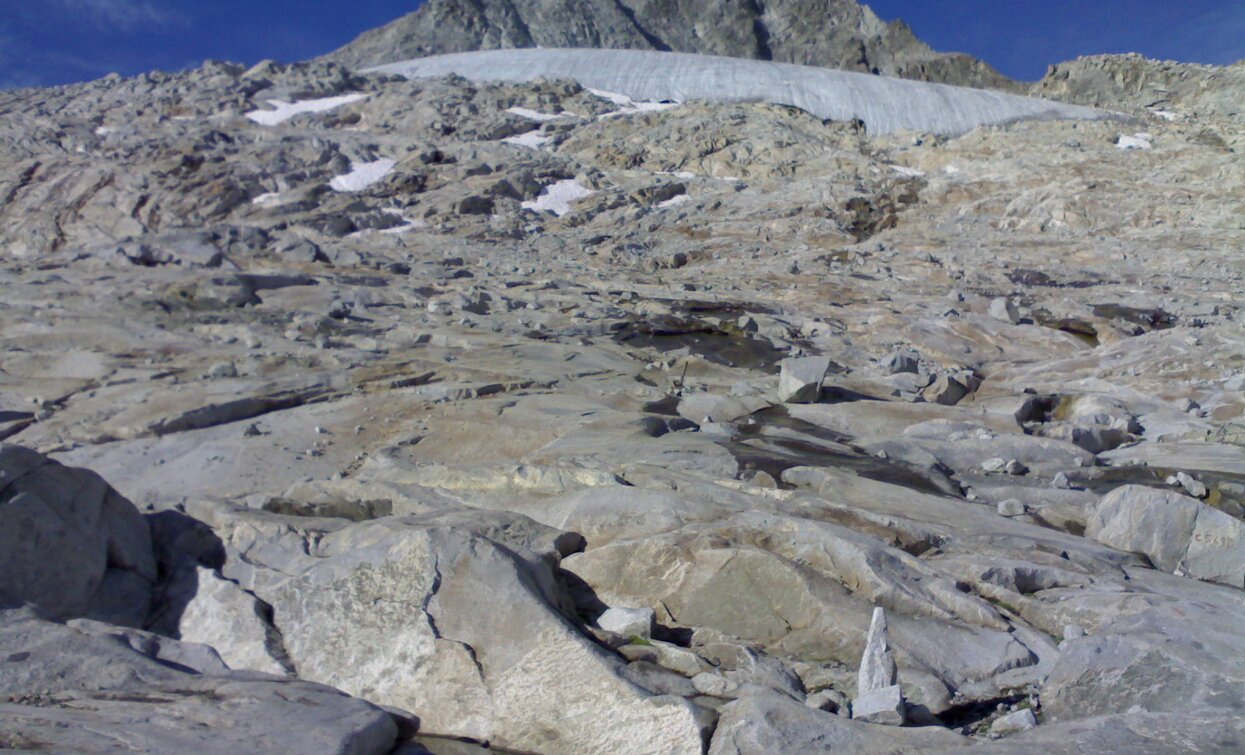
{"points": [[350, 412]]}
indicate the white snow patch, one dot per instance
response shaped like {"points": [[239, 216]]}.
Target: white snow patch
{"points": [[674, 201], [628, 106], [534, 115], [363, 175], [104, 131], [1136, 141], [283, 111], [904, 170], [267, 200], [557, 197], [408, 224], [951, 170], [411, 223], [614, 97], [400, 229], [531, 140]]}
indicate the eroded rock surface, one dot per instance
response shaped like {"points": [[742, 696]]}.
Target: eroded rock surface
{"points": [[468, 400]]}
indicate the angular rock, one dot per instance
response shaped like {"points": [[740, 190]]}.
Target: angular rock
{"points": [[658, 680], [1011, 507], [668, 656], [877, 665], [946, 390], [901, 362], [829, 700], [1191, 485], [1002, 308], [800, 379], [1014, 722], [1167, 659], [628, 622], [884, 705], [221, 614]]}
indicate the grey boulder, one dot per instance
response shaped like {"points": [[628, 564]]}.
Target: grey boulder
{"points": [[1178, 533], [800, 379], [91, 688], [69, 543]]}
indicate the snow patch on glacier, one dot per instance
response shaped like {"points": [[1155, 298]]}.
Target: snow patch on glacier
{"points": [[884, 104]]}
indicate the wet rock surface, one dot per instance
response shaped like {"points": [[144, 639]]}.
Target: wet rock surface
{"points": [[521, 416]]}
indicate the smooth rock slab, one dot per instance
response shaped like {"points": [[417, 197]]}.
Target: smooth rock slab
{"points": [[774, 724], [1137, 732], [1178, 658]]}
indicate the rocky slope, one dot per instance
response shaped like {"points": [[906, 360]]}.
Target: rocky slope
{"points": [[523, 416], [1135, 83], [828, 33]]}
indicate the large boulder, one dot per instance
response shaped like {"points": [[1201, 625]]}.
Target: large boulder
{"points": [[93, 688], [1179, 534], [70, 544], [457, 617]]}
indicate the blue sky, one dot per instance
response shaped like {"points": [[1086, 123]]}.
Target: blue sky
{"points": [[44, 42]]}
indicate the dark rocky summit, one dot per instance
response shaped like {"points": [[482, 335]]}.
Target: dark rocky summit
{"points": [[828, 33]]}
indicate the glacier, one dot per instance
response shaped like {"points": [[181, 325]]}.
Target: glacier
{"points": [[885, 105]]}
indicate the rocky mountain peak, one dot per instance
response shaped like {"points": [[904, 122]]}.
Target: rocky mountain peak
{"points": [[827, 33]]}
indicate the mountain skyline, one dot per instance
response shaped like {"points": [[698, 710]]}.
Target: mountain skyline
{"points": [[65, 41]]}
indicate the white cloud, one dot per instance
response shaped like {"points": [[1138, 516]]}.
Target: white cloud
{"points": [[125, 15]]}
